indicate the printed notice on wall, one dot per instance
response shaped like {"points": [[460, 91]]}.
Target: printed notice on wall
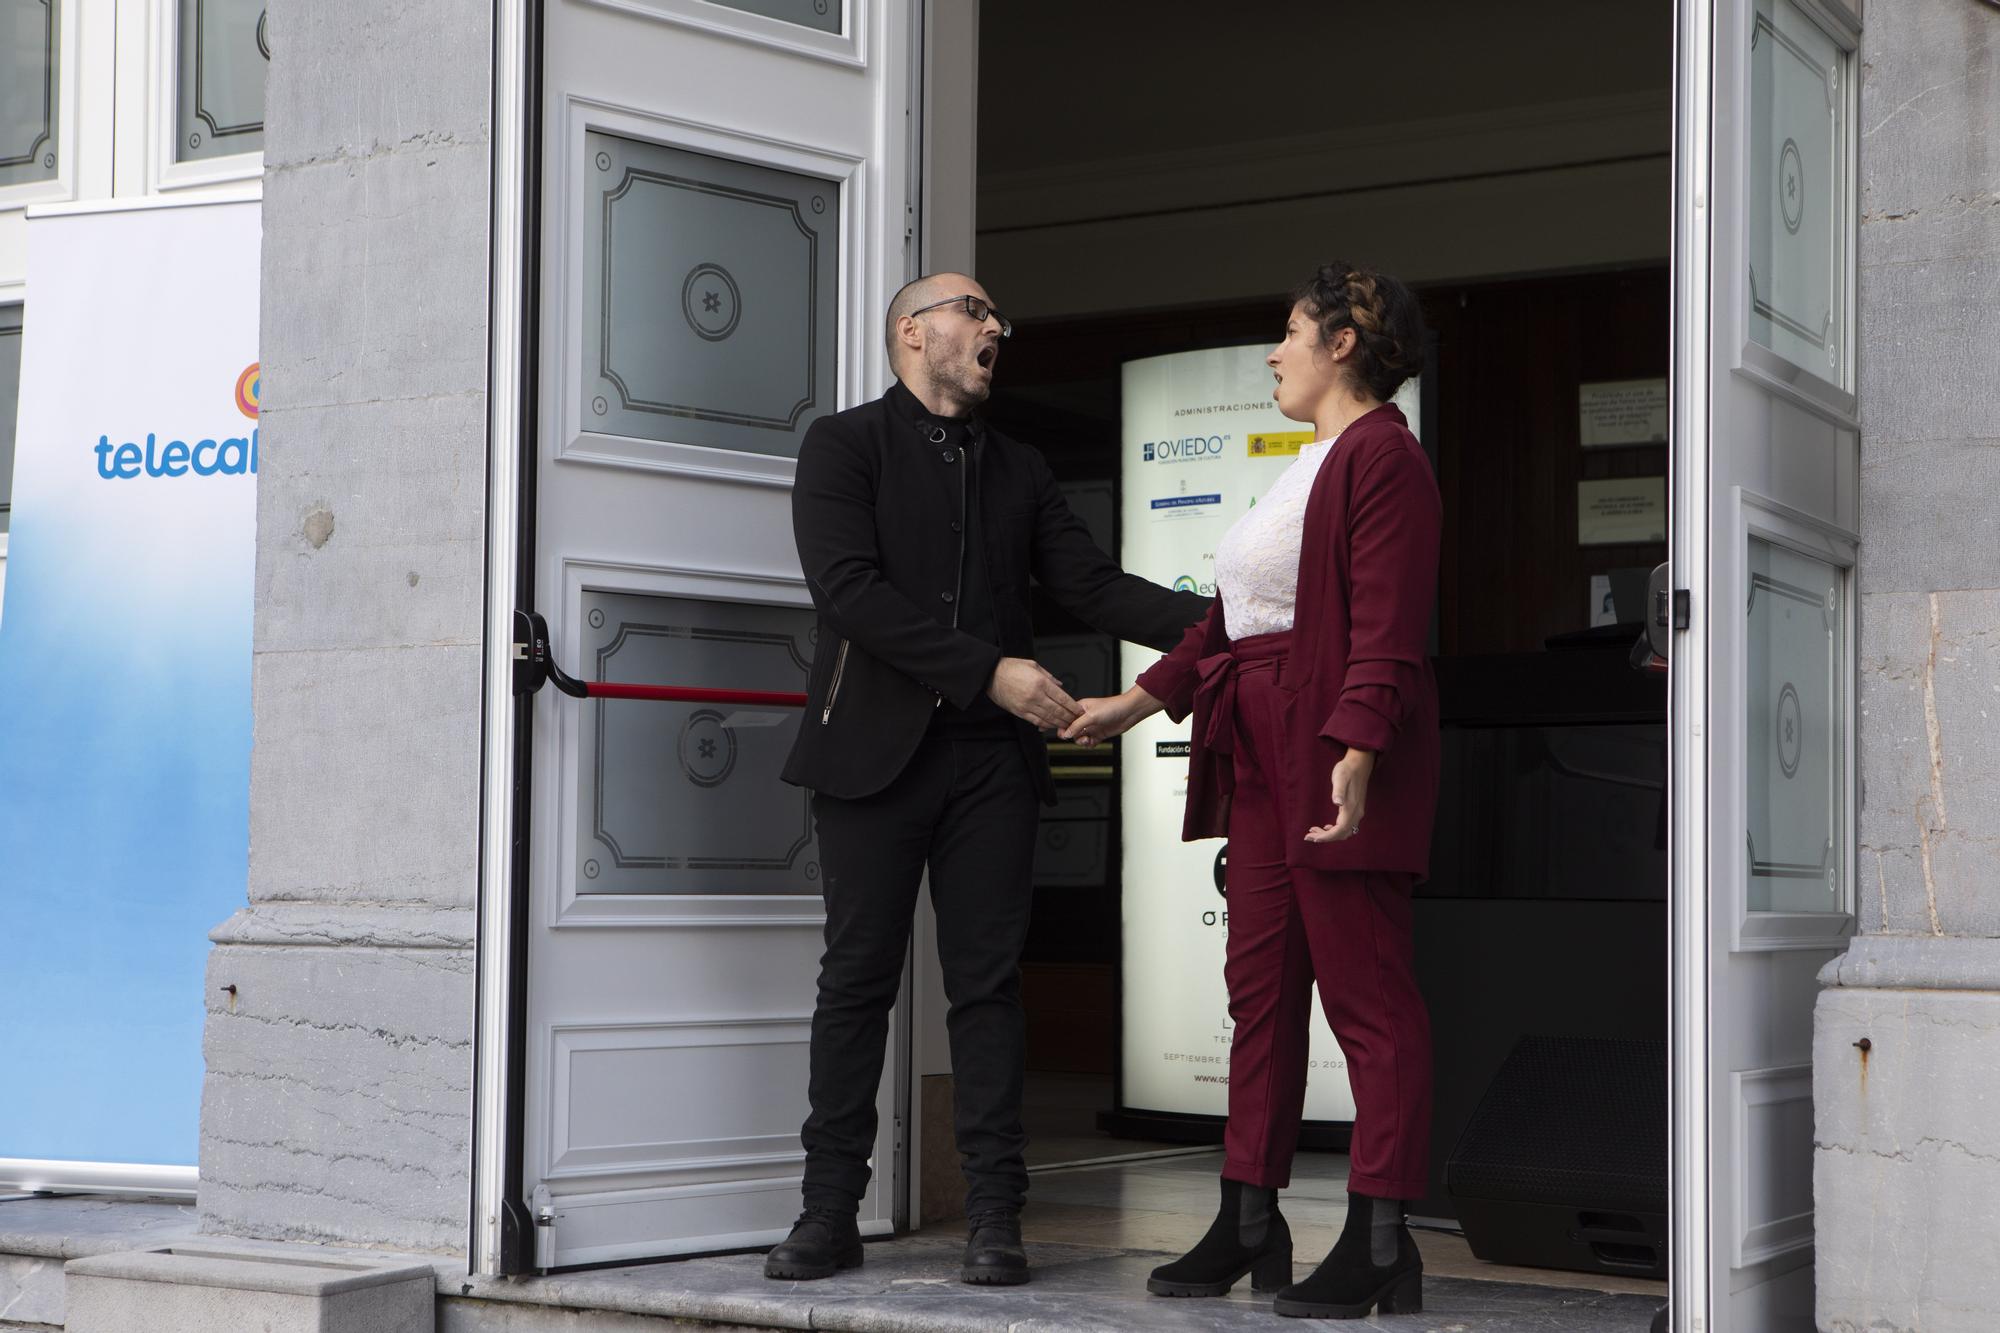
{"points": [[1622, 412], [1620, 511]]}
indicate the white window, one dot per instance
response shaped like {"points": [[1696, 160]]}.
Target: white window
{"points": [[223, 51], [30, 91]]}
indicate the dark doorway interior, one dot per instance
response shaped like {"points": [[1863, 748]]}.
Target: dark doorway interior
{"points": [[1546, 910]]}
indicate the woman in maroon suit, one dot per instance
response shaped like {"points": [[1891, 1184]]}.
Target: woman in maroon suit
{"points": [[1315, 750]]}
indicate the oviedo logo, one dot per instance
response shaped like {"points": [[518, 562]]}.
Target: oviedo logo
{"points": [[229, 455], [1187, 449], [1189, 583]]}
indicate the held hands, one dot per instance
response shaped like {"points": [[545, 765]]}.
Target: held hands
{"points": [[1102, 719], [1025, 688], [1350, 797]]}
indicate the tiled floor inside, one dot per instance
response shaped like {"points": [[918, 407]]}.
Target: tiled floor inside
{"points": [[1163, 1196], [1163, 1204]]}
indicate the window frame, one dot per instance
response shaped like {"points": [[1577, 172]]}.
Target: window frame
{"points": [[165, 172], [63, 185]]}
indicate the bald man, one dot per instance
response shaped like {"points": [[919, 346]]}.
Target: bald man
{"points": [[919, 527]]}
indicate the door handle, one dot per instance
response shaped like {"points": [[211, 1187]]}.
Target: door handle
{"points": [[1658, 631], [1666, 611], [535, 666]]}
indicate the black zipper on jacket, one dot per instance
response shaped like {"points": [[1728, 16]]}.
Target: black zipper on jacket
{"points": [[833, 690], [964, 526]]}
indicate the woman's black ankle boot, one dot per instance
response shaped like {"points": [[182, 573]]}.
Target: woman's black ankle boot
{"points": [[1248, 1235], [1374, 1265]]}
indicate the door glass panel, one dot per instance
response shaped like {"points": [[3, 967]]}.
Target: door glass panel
{"points": [[1796, 191], [30, 37], [10, 405], [821, 14], [711, 308], [1796, 742], [686, 798], [224, 52]]}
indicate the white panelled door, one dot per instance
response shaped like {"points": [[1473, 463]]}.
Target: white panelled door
{"points": [[1766, 467], [727, 196]]}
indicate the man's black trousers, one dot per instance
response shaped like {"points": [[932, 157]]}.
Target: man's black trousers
{"points": [[966, 809]]}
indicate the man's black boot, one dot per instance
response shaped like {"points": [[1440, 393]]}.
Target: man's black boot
{"points": [[994, 1256], [1374, 1265], [1248, 1235], [821, 1244]]}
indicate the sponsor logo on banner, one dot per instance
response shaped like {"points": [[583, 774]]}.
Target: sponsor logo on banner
{"points": [[1186, 449], [1189, 583], [1273, 444], [1172, 749], [1185, 506], [224, 454], [248, 386]]}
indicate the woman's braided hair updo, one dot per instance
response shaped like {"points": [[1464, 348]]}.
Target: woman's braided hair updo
{"points": [[1387, 322]]}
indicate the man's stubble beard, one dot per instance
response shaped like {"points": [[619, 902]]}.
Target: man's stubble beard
{"points": [[952, 376]]}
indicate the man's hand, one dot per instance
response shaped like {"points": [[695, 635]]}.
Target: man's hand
{"points": [[1024, 688], [1350, 797], [1102, 719]]}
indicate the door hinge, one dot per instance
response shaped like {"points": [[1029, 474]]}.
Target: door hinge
{"points": [[517, 1243], [545, 1230]]}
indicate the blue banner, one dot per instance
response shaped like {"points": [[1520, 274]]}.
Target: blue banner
{"points": [[125, 672]]}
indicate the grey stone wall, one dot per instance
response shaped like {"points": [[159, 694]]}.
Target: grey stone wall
{"points": [[338, 1043], [1907, 1033]]}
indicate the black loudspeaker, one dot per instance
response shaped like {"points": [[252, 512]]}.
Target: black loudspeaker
{"points": [[1564, 1163]]}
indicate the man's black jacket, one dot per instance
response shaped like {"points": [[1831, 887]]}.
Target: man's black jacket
{"points": [[878, 513]]}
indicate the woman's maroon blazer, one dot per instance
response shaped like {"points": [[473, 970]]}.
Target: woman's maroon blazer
{"points": [[1358, 672]]}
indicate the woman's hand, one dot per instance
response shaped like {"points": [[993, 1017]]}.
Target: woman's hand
{"points": [[1101, 719], [1350, 797]]}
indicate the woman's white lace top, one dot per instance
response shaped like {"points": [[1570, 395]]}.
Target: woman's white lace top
{"points": [[1257, 561]]}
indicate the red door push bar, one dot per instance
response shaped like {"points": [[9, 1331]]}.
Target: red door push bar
{"points": [[683, 694], [533, 666]]}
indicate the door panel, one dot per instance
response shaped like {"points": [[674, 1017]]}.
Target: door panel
{"points": [[1766, 461], [711, 297], [713, 264]]}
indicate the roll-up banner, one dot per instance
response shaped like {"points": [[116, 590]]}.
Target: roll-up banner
{"points": [[1202, 443], [124, 681]]}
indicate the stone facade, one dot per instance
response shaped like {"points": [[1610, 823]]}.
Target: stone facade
{"points": [[1907, 1033], [337, 1104]]}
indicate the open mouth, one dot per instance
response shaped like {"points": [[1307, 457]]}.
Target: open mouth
{"points": [[987, 356]]}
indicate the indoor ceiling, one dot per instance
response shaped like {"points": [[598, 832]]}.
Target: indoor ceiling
{"points": [[1072, 81]]}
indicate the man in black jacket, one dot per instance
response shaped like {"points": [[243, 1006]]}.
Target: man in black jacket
{"points": [[918, 527]]}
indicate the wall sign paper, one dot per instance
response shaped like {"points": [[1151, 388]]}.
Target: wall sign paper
{"points": [[1622, 412], [1621, 511]]}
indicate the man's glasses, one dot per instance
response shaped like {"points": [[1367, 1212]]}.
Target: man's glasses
{"points": [[974, 307]]}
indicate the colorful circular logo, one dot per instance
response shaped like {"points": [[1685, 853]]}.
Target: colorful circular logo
{"points": [[247, 386]]}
